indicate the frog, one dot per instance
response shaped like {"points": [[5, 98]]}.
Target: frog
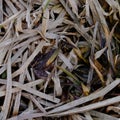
{"points": [[40, 68]]}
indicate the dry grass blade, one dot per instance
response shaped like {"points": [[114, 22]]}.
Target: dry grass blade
{"points": [[74, 6], [2, 54], [34, 92], [102, 115], [11, 6], [113, 108], [10, 18], [82, 32], [45, 4], [59, 57], [53, 57], [86, 90], [98, 72], [72, 15], [88, 116], [45, 20], [58, 88], [38, 104], [106, 30], [75, 81], [82, 100], [14, 90], [18, 96], [8, 95], [66, 61], [99, 53], [90, 107], [37, 93], [1, 12], [76, 117], [78, 52]]}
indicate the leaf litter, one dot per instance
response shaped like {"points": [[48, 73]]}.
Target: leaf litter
{"points": [[60, 59]]}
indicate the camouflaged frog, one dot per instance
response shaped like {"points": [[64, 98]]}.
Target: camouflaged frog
{"points": [[40, 68]]}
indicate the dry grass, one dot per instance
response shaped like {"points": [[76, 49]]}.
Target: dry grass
{"points": [[59, 59]]}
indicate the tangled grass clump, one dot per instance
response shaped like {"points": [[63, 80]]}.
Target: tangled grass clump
{"points": [[59, 59]]}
